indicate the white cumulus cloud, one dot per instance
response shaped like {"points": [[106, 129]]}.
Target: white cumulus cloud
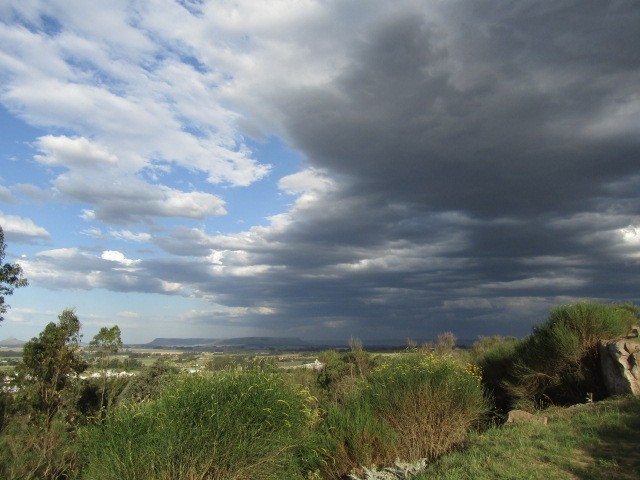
{"points": [[20, 229], [73, 152], [115, 256]]}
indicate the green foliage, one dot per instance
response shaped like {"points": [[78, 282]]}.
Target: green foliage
{"points": [[558, 363], [87, 399], [351, 436], [41, 416], [414, 406], [52, 360], [124, 363], [485, 344], [496, 362], [6, 400], [149, 384], [335, 368], [225, 426], [106, 342], [342, 371], [37, 449], [246, 420], [304, 378], [11, 277], [91, 397], [590, 322]]}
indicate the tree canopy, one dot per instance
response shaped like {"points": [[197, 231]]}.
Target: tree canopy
{"points": [[10, 277], [53, 358], [106, 342]]}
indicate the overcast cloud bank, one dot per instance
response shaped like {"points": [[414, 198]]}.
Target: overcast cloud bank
{"points": [[467, 164]]}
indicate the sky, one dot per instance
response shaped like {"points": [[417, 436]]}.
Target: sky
{"points": [[323, 169]]}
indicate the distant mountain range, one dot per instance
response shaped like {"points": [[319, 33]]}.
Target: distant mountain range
{"points": [[11, 342], [240, 342]]}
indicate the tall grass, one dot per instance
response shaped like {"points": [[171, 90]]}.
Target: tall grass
{"points": [[414, 406], [352, 436], [226, 426], [34, 448]]}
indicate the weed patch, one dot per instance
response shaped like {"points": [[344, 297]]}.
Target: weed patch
{"points": [[414, 406]]}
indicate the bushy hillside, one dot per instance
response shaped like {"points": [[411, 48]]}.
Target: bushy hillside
{"points": [[252, 420], [558, 363]]}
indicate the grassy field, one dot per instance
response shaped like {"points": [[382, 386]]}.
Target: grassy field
{"points": [[591, 441], [9, 357]]}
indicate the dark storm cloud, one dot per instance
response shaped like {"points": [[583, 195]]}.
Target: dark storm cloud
{"points": [[489, 113], [507, 131]]}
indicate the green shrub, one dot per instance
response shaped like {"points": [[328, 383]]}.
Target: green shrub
{"points": [[485, 344], [414, 406], [149, 384], [430, 402], [227, 426], [342, 371], [352, 436], [496, 362], [559, 363], [86, 400], [36, 447], [6, 401]]}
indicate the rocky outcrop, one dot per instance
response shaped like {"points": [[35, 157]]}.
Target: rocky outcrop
{"points": [[520, 416], [620, 364]]}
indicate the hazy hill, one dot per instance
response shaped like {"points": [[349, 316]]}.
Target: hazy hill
{"points": [[180, 342], [12, 342], [246, 342]]}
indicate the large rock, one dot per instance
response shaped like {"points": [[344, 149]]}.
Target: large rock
{"points": [[620, 363]]}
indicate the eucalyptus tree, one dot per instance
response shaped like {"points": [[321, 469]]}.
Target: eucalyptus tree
{"points": [[11, 277], [52, 360], [105, 343]]}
